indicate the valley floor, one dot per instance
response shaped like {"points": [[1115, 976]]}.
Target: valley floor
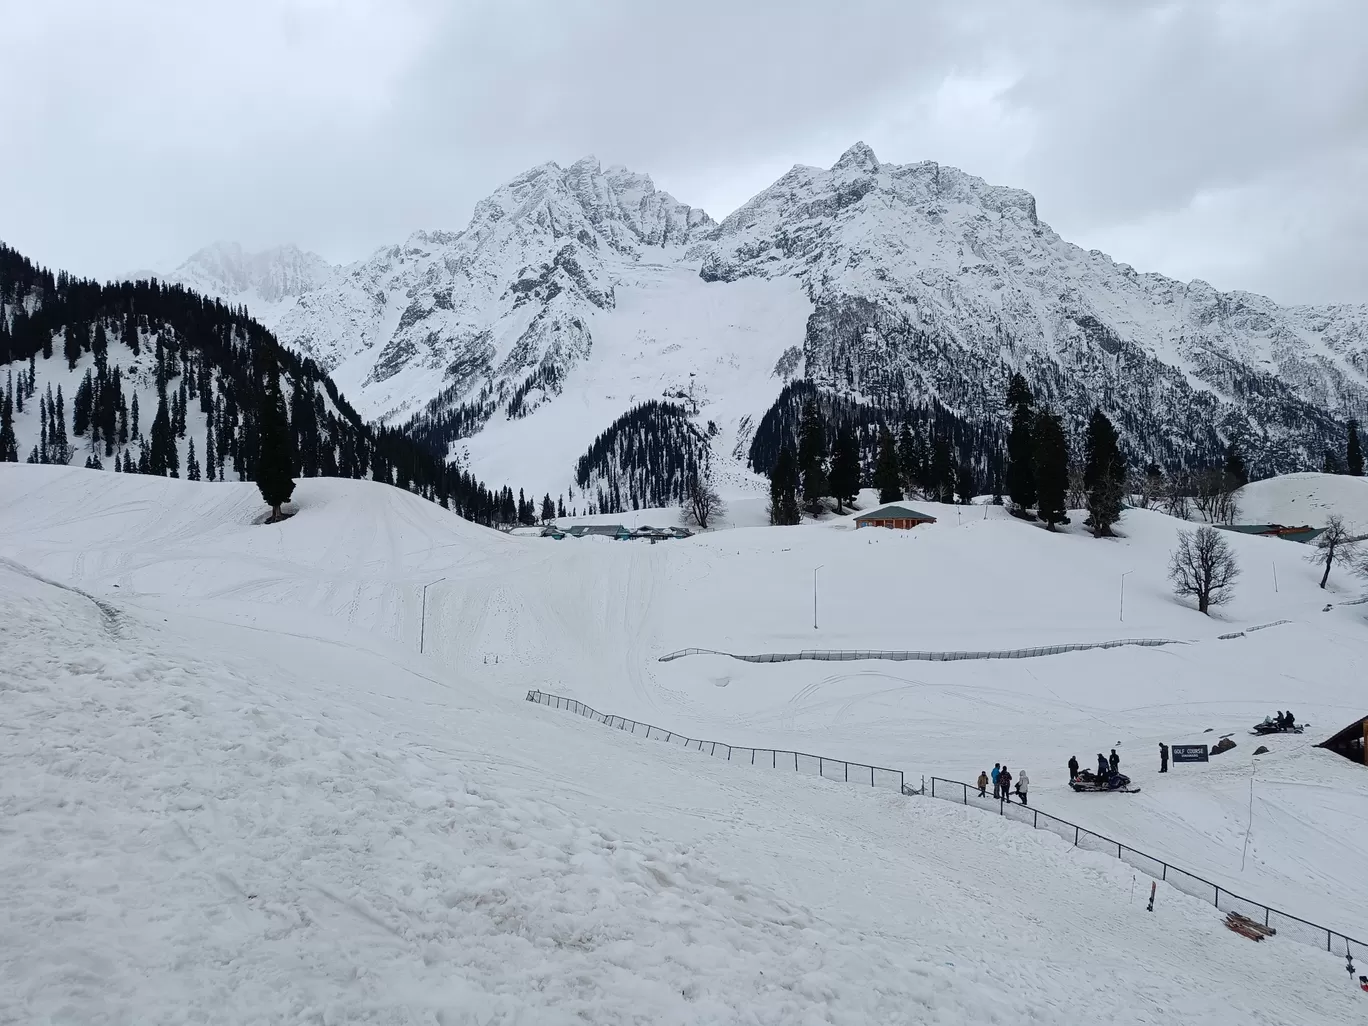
{"points": [[236, 792]]}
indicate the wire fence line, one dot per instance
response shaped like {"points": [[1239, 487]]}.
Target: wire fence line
{"points": [[840, 770], [845, 655], [1287, 925]]}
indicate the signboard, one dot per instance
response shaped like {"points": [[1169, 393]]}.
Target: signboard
{"points": [[1189, 753]]}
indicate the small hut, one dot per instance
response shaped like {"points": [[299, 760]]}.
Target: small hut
{"points": [[1351, 742]]}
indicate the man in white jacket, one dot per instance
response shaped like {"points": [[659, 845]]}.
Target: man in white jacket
{"points": [[1022, 783]]}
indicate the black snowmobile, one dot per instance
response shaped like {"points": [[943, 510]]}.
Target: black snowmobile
{"points": [[1270, 727], [1090, 781]]}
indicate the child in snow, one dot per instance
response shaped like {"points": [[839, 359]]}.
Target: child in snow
{"points": [[983, 784]]}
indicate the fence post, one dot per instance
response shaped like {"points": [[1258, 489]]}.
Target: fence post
{"points": [[1118, 850], [1165, 876], [774, 758], [795, 762], [668, 735], [933, 783], [1327, 941], [847, 773], [714, 748], [1075, 837], [1036, 825], [871, 776], [1218, 896], [1265, 915], [821, 766], [966, 794]]}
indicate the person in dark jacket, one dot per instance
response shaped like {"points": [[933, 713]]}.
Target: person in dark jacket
{"points": [[1163, 757], [1114, 762], [1291, 720], [1073, 767], [997, 772], [1101, 766], [1005, 784]]}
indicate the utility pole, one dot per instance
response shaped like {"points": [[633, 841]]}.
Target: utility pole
{"points": [[422, 630], [1121, 613], [814, 595]]}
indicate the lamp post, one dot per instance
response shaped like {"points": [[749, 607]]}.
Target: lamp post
{"points": [[1121, 613], [422, 630], [814, 595]]}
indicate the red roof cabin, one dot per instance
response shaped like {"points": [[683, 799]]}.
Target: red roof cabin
{"points": [[899, 517]]}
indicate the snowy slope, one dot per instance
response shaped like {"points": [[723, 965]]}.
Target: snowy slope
{"points": [[268, 282], [236, 793], [1296, 499]]}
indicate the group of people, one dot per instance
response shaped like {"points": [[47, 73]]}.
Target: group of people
{"points": [[1002, 780], [1283, 721], [1107, 767]]}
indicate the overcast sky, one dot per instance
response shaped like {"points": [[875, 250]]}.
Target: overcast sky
{"points": [[1227, 141]]}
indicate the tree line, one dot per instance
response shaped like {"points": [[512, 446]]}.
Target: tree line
{"points": [[270, 413]]}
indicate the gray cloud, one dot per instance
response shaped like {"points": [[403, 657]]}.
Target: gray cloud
{"points": [[1220, 140]]}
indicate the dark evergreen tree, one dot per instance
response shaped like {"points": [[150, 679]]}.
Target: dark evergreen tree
{"points": [[1051, 468], [941, 476], [162, 458], [1104, 474], [784, 488], [845, 469], [100, 348], [210, 458], [9, 444], [71, 347], [812, 456], [1021, 448], [548, 509], [1353, 456], [133, 432], [275, 457], [887, 473], [1236, 473], [192, 467]]}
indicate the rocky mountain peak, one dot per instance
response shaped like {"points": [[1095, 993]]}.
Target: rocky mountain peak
{"points": [[859, 157]]}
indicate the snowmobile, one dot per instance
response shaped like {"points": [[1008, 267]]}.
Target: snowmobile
{"points": [[1090, 781], [1269, 727]]}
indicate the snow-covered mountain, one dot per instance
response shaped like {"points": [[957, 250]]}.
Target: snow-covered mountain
{"points": [[267, 282], [577, 293]]}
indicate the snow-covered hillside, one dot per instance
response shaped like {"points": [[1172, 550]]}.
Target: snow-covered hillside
{"points": [[267, 282], [577, 292], [1297, 499], [235, 791]]}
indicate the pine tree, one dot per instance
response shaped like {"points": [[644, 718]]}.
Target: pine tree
{"points": [[192, 467], [133, 418], [9, 444], [1353, 456], [1104, 475], [812, 455], [560, 507], [909, 459], [1051, 468], [210, 458], [887, 473], [275, 458], [163, 456], [942, 473], [548, 509], [71, 347], [845, 468], [784, 488], [1236, 474], [100, 347], [1021, 479]]}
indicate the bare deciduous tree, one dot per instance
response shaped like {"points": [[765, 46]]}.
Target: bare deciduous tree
{"points": [[700, 504], [1077, 494], [1203, 565], [1175, 495], [1337, 544], [1213, 496]]}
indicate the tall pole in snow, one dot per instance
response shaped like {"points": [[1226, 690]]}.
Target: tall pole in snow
{"points": [[1275, 577], [1121, 613], [422, 630], [814, 595]]}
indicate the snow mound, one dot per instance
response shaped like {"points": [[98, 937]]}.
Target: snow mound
{"points": [[1297, 499]]}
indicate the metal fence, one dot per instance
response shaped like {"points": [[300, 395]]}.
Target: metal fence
{"points": [[844, 655], [1290, 926], [771, 758]]}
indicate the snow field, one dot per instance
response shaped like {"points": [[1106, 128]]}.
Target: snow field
{"points": [[424, 845], [224, 824]]}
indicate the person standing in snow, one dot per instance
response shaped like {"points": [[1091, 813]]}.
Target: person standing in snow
{"points": [[1114, 762], [1005, 784], [983, 784], [1023, 782], [1073, 768], [1101, 766], [1163, 757], [997, 772]]}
